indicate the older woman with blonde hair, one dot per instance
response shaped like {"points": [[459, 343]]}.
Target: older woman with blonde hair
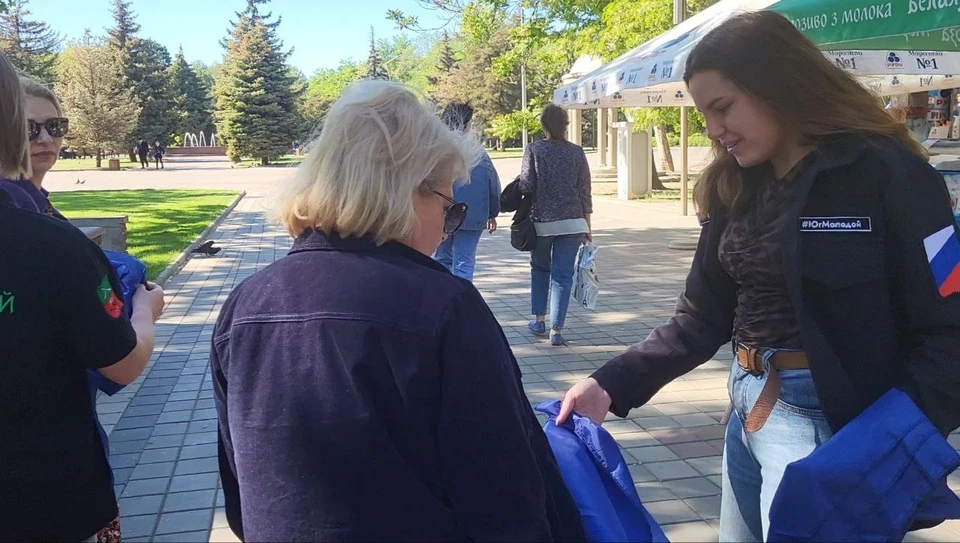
{"points": [[364, 393]]}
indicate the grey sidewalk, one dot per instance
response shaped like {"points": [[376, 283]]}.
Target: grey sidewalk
{"points": [[163, 438]]}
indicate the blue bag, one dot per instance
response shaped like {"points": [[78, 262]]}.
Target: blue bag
{"points": [[599, 480], [882, 473], [131, 273]]}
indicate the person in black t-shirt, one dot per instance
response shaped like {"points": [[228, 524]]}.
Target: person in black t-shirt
{"points": [[61, 312]]}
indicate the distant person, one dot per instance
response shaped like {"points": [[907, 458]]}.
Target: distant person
{"points": [[556, 172], [363, 392], [143, 151], [60, 314], [158, 151], [458, 252]]}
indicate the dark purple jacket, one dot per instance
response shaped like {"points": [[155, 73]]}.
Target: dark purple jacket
{"points": [[21, 197], [365, 393]]}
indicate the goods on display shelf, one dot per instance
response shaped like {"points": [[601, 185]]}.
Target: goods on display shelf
{"points": [[938, 113], [951, 175]]}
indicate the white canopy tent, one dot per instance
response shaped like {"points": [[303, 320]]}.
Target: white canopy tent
{"points": [[892, 49], [651, 75]]}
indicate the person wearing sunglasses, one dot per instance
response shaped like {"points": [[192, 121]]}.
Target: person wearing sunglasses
{"points": [[363, 392], [458, 253], [46, 127], [60, 315]]}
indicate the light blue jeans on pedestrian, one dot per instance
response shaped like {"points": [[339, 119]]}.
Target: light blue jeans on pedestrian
{"points": [[458, 253], [551, 267], [753, 464]]}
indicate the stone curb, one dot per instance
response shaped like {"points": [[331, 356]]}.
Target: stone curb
{"points": [[185, 255]]}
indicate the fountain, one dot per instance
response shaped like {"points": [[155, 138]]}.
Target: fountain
{"points": [[196, 144]]}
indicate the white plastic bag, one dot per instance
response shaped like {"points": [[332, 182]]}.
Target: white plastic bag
{"points": [[586, 284]]}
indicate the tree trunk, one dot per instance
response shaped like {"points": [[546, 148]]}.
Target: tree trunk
{"points": [[655, 182], [264, 161], [666, 157], [99, 157]]}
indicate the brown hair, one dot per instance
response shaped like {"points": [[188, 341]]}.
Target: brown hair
{"points": [[768, 58], [554, 122], [14, 145], [32, 87]]}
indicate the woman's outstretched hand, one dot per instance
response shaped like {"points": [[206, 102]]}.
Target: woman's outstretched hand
{"points": [[588, 399]]}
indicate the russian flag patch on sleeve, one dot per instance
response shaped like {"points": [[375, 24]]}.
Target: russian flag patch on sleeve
{"points": [[943, 254]]}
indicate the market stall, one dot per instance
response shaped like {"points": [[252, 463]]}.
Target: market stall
{"points": [[894, 48]]}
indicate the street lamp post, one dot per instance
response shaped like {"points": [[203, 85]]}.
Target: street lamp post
{"points": [[679, 14], [523, 84]]}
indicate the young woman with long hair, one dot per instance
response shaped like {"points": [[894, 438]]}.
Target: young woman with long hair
{"points": [[828, 254]]}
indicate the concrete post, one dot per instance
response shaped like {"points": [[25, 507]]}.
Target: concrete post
{"points": [[613, 137], [602, 136]]}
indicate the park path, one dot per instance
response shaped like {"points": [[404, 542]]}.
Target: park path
{"points": [[163, 428]]}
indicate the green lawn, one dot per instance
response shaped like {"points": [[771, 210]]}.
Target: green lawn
{"points": [[161, 222], [77, 164], [286, 160]]}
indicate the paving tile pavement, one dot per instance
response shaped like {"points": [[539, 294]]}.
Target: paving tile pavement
{"points": [[163, 427]]}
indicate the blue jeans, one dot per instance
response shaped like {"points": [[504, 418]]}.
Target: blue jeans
{"points": [[551, 265], [753, 464], [458, 253]]}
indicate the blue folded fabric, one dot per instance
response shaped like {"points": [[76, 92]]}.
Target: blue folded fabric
{"points": [[882, 473], [131, 272], [599, 480]]}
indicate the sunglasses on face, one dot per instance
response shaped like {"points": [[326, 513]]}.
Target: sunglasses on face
{"points": [[453, 214], [57, 127]]}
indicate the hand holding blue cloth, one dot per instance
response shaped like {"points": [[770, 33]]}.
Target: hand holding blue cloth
{"points": [[599, 480]]}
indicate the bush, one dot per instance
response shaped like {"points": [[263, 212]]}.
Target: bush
{"points": [[693, 140]]}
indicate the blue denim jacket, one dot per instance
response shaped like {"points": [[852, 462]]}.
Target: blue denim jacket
{"points": [[366, 394], [481, 194]]}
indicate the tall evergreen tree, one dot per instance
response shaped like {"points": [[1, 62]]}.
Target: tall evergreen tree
{"points": [[375, 67], [125, 25], [446, 62], [256, 109], [31, 46], [152, 87], [142, 66], [191, 102]]}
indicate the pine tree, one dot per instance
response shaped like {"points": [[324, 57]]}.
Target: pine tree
{"points": [[103, 113], [375, 67], [31, 46], [141, 65], [255, 94], [191, 102], [125, 25], [446, 62]]}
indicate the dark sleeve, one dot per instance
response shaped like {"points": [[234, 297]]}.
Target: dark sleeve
{"points": [[90, 302], [219, 356], [487, 460], [528, 171], [702, 324], [584, 185], [494, 180], [917, 207]]}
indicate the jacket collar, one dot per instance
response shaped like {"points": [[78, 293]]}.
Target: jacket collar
{"points": [[317, 240]]}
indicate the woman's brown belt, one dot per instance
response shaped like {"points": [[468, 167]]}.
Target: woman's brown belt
{"points": [[751, 360]]}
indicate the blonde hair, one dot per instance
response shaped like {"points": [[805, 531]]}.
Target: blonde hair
{"points": [[32, 87], [380, 143], [14, 144], [765, 55]]}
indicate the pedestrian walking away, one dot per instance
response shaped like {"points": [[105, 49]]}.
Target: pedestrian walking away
{"points": [[481, 193], [556, 173]]}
